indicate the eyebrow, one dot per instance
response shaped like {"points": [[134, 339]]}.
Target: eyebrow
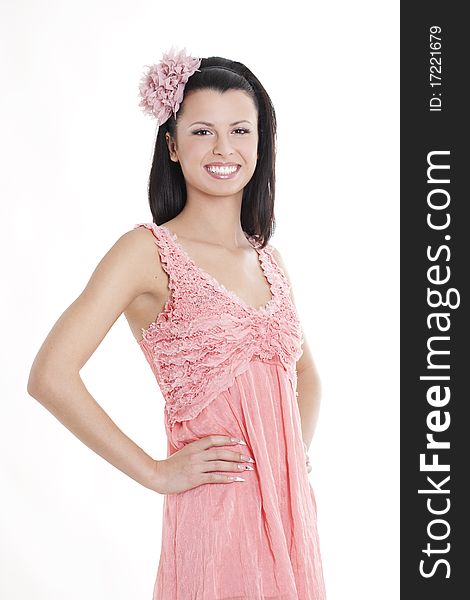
{"points": [[212, 124]]}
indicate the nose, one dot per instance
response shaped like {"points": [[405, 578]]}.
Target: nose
{"points": [[222, 145]]}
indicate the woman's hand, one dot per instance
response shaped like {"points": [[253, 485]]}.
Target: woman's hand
{"points": [[307, 459], [199, 462]]}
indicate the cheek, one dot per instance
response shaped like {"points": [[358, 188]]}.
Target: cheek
{"points": [[251, 153], [192, 151], [251, 149]]}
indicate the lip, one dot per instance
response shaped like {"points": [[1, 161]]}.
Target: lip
{"points": [[222, 164]]}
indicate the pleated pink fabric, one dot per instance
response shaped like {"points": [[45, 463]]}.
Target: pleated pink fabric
{"points": [[227, 368]]}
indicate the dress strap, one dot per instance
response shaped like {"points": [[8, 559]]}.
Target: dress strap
{"points": [[169, 259], [273, 271], [281, 282]]}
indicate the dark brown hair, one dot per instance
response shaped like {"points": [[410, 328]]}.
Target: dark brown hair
{"points": [[167, 187]]}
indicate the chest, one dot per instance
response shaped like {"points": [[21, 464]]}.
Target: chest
{"points": [[240, 272]]}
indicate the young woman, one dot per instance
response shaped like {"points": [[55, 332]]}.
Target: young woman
{"points": [[209, 301]]}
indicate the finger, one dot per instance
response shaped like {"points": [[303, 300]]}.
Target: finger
{"points": [[218, 440], [222, 454], [219, 478], [223, 465]]}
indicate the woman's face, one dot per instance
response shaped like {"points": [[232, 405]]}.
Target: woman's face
{"points": [[216, 127]]}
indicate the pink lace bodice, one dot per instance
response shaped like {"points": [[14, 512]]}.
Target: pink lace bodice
{"points": [[206, 335]]}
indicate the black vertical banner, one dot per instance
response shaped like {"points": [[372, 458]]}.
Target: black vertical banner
{"points": [[434, 301]]}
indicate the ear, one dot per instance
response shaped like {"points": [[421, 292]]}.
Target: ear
{"points": [[171, 147]]}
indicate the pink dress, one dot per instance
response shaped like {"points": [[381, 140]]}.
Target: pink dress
{"points": [[226, 368]]}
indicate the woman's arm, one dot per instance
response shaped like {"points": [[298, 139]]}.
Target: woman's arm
{"points": [[309, 394], [125, 272], [308, 379]]}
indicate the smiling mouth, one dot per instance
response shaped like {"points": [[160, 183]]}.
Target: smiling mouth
{"points": [[222, 172], [222, 169]]}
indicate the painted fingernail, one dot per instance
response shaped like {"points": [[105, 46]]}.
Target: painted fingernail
{"points": [[247, 458], [238, 441], [245, 467]]}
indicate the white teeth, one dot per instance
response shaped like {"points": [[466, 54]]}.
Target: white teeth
{"points": [[222, 170]]}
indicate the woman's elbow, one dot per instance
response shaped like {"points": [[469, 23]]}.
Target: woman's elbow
{"points": [[45, 376], [39, 382]]}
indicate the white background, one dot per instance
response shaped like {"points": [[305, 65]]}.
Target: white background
{"points": [[75, 154]]}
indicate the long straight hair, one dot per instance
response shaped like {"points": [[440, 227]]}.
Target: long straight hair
{"points": [[167, 187]]}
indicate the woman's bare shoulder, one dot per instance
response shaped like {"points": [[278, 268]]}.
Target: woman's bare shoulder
{"points": [[143, 256], [129, 272]]}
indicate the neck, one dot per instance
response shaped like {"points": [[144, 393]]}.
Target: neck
{"points": [[214, 219]]}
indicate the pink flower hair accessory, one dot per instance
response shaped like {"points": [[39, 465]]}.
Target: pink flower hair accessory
{"points": [[162, 85]]}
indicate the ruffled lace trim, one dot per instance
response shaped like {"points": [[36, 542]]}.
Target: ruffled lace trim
{"points": [[266, 266], [195, 362], [202, 340], [170, 266]]}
